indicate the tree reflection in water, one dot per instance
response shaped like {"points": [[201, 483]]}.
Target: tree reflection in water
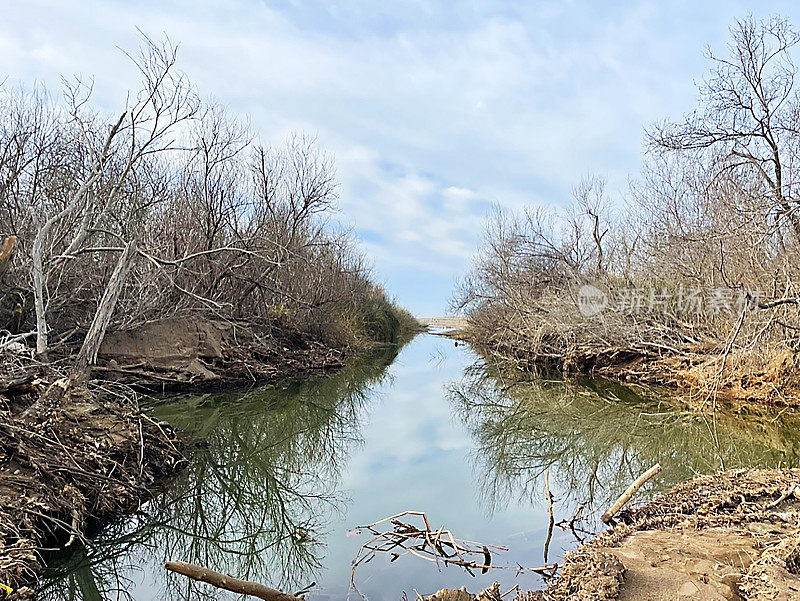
{"points": [[256, 499], [253, 502], [596, 436]]}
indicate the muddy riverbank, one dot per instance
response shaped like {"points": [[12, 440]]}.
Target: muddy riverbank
{"points": [[181, 354], [733, 536], [701, 377]]}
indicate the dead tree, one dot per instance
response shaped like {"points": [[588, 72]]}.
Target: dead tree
{"points": [[38, 263], [105, 310], [145, 128], [589, 196], [749, 114]]}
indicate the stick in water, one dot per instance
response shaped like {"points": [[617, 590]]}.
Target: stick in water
{"points": [[243, 587], [632, 490], [552, 522]]}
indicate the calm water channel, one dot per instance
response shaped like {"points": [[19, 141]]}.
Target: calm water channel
{"points": [[287, 471]]}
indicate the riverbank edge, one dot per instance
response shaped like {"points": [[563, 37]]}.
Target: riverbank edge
{"points": [[756, 507], [697, 377], [732, 535], [81, 455], [727, 503]]}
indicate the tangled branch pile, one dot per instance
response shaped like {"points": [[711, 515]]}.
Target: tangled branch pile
{"points": [[70, 458], [438, 546], [703, 262]]}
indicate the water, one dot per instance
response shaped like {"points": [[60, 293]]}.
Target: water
{"points": [[287, 471]]}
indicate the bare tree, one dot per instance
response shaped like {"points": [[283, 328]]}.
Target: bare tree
{"points": [[749, 114], [589, 196], [714, 216], [220, 226], [148, 126]]}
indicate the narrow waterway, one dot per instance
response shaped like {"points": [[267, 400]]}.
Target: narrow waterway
{"points": [[286, 472]]}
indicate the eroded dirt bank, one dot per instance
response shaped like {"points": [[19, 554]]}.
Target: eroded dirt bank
{"points": [[704, 377], [182, 354], [701, 376]]}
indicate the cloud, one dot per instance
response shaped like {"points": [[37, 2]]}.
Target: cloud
{"points": [[433, 111]]}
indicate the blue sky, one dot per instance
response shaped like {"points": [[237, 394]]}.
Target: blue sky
{"points": [[433, 111]]}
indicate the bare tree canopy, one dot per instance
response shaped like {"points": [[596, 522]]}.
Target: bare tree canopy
{"points": [[208, 221], [748, 118], [703, 264]]}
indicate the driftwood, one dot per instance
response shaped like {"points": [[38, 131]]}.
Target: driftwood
{"points": [[242, 587], [438, 546], [631, 490]]}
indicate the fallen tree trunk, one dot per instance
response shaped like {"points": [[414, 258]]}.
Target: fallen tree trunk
{"points": [[631, 490], [243, 587], [105, 310]]}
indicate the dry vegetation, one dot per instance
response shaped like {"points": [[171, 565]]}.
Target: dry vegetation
{"points": [[700, 269], [170, 208], [163, 246]]}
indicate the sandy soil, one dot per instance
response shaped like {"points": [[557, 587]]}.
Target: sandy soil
{"points": [[733, 536]]}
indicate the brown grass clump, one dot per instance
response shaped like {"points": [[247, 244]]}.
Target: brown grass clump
{"points": [[766, 580], [588, 575]]}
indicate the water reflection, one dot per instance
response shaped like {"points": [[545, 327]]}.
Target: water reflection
{"points": [[254, 502], [267, 499], [596, 436]]}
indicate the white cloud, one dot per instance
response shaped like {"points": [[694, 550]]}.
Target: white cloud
{"points": [[433, 111]]}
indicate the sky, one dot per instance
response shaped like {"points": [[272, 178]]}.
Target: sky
{"points": [[434, 112]]}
